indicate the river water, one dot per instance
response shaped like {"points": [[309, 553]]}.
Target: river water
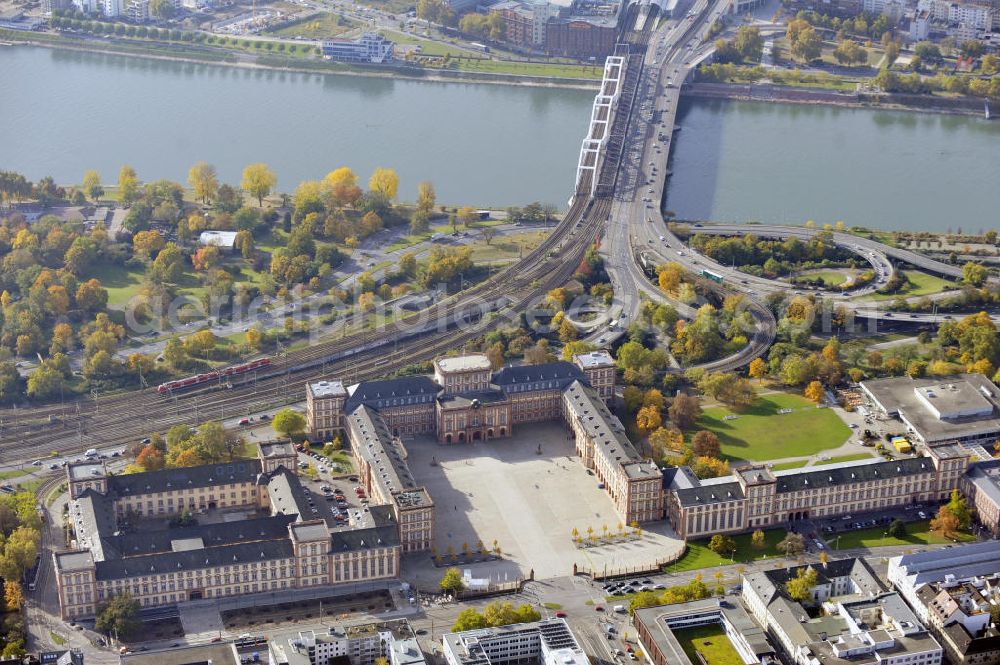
{"points": [[64, 112]]}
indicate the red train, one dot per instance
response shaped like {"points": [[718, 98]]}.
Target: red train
{"points": [[208, 377]]}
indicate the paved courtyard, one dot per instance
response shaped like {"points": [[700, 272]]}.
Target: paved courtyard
{"points": [[504, 490]]}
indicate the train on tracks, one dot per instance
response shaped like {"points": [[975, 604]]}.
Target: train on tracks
{"points": [[179, 385]]}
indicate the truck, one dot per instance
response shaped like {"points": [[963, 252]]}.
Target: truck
{"points": [[91, 453]]}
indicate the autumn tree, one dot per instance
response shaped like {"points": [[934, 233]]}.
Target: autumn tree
{"points": [[706, 444], [758, 540], [204, 181], [385, 182], [150, 458], [452, 581], [258, 181], [792, 544], [147, 243], [814, 392], [945, 523], [684, 411], [800, 587], [757, 369], [128, 185], [13, 595], [722, 545], [648, 419], [340, 186], [92, 185], [669, 277], [426, 197]]}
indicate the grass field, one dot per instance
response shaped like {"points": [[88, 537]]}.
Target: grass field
{"points": [[698, 555], [921, 284], [709, 641], [120, 282], [917, 533], [783, 466], [506, 247], [844, 458], [323, 25], [760, 433], [830, 278]]}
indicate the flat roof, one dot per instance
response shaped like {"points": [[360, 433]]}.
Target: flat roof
{"points": [[594, 359], [86, 470], [216, 654], [218, 238], [329, 388], [277, 449], [899, 396], [468, 363]]}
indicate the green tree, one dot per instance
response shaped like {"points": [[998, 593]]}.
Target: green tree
{"points": [[92, 185], [162, 8], [749, 43], [258, 181], [897, 529], [974, 274], [288, 422], [808, 45], [959, 507], [722, 545], [452, 582], [118, 616], [758, 540], [469, 619], [800, 587]]}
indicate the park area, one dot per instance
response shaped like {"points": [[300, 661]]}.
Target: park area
{"points": [[777, 426], [917, 533], [698, 556], [710, 643]]}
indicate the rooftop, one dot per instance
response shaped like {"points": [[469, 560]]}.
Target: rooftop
{"points": [[329, 388], [594, 359], [206, 475], [277, 449], [467, 363], [86, 470], [218, 238]]}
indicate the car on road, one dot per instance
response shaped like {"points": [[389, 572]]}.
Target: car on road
{"points": [[37, 462], [560, 615], [922, 515], [600, 608]]}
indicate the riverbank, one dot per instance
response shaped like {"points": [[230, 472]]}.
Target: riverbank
{"points": [[767, 92], [189, 54]]}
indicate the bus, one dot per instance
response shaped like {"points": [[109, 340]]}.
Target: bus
{"points": [[715, 277]]}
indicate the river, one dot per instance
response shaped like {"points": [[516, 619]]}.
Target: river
{"points": [[63, 112], [749, 161]]}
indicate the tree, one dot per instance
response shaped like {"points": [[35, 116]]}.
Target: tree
{"points": [[452, 582], [648, 419], [807, 45], [13, 595], [118, 616], [147, 243], [974, 274], [722, 545], [897, 529], [749, 43], [792, 544], [426, 197], [92, 185], [946, 522], [162, 8], [663, 441], [850, 53], [958, 507], [800, 587], [684, 411], [435, 11], [385, 182], [757, 369], [487, 234], [288, 422], [203, 181], [706, 444], [758, 540], [467, 216], [469, 619], [128, 185], [814, 392], [150, 458], [258, 181]]}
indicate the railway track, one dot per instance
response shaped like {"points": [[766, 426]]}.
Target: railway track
{"points": [[127, 417]]}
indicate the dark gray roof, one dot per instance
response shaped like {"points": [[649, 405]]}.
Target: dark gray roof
{"points": [[383, 534], [392, 392], [553, 375], [852, 472], [206, 475], [146, 542], [287, 494], [857, 569], [194, 559], [709, 494]]}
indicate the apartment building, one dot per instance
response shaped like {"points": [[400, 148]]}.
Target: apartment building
{"points": [[862, 621], [369, 48], [754, 497], [360, 643], [325, 409], [128, 537]]}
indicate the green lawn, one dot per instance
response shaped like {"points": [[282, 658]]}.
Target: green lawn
{"points": [[829, 277], [698, 555], [709, 641], [783, 466], [760, 433], [921, 284], [121, 283], [917, 533], [845, 458]]}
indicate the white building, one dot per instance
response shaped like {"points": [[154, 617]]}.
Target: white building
{"points": [[549, 642], [920, 26], [910, 572], [225, 240], [361, 643], [891, 8]]}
